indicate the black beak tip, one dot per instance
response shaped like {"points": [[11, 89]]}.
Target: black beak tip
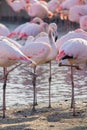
{"points": [[56, 38]]}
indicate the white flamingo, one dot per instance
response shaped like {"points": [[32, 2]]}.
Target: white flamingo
{"points": [[41, 50], [75, 50], [9, 55]]}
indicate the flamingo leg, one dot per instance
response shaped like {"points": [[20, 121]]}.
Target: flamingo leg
{"points": [[4, 91], [73, 98], [34, 91], [50, 87]]}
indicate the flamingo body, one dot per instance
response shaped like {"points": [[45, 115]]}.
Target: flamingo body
{"points": [[16, 5], [53, 5], [4, 31], [39, 10], [30, 29], [10, 53], [77, 48], [67, 4], [78, 33], [16, 31], [76, 12], [83, 22]]}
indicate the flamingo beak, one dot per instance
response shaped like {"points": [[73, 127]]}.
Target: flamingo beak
{"points": [[60, 55]]}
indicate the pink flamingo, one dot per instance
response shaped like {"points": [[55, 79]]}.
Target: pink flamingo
{"points": [[78, 33], [16, 5], [4, 31], [41, 50], [38, 10], [83, 22], [26, 29], [16, 31], [76, 12], [36, 24], [67, 4], [53, 5], [9, 55], [75, 50]]}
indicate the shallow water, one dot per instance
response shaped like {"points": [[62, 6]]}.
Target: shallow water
{"points": [[20, 90]]}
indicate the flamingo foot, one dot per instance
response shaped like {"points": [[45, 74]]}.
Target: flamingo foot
{"points": [[36, 104], [33, 111], [49, 106]]}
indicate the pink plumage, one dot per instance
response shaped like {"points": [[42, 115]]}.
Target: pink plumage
{"points": [[78, 33], [10, 53], [83, 22], [39, 10], [76, 12], [77, 48], [16, 5]]}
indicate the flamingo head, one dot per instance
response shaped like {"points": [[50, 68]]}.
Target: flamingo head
{"points": [[61, 55], [53, 26], [50, 14]]}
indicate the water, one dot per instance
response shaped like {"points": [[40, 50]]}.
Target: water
{"points": [[20, 89]]}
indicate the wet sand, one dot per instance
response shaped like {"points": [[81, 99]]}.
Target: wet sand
{"points": [[59, 117]]}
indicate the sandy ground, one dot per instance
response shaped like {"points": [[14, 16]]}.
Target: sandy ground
{"points": [[59, 117]]}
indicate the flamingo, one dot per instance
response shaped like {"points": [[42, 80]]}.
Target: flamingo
{"points": [[76, 12], [4, 31], [75, 51], [83, 22], [78, 33], [39, 10], [17, 30], [41, 50], [67, 4], [53, 5], [36, 24], [10, 54], [26, 29], [16, 5]]}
